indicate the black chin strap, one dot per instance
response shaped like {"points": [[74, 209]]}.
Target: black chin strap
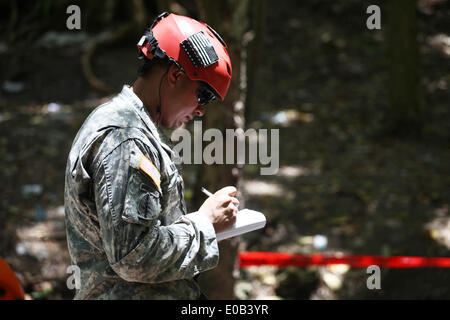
{"points": [[158, 107]]}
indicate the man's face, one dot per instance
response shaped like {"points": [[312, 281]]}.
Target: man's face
{"points": [[179, 99]]}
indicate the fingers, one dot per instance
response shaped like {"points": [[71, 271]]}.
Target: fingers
{"points": [[231, 214], [226, 201], [227, 204], [232, 208], [230, 190], [233, 218], [229, 208]]}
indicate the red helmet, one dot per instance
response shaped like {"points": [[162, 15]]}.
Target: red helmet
{"points": [[193, 46], [10, 288]]}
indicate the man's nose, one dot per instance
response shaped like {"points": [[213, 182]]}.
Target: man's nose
{"points": [[200, 111]]}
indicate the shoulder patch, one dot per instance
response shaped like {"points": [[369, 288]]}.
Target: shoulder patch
{"points": [[149, 168]]}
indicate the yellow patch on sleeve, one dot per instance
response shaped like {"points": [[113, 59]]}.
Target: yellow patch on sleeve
{"points": [[149, 168]]}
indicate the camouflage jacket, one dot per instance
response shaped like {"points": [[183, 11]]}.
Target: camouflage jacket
{"points": [[126, 221]]}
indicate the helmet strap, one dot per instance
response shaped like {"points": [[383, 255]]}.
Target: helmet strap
{"points": [[158, 107]]}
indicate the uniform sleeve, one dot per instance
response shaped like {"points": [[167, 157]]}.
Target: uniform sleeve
{"points": [[138, 247]]}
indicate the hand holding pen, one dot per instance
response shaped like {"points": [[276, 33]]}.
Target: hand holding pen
{"points": [[220, 208]]}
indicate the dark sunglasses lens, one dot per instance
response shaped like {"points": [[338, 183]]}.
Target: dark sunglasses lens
{"points": [[205, 96]]}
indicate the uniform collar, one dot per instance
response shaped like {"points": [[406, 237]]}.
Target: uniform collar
{"points": [[128, 94]]}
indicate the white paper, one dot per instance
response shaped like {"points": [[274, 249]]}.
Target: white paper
{"points": [[246, 221]]}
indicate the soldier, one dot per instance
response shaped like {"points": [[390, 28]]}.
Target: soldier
{"points": [[127, 226]]}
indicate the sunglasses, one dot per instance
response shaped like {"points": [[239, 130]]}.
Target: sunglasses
{"points": [[205, 94]]}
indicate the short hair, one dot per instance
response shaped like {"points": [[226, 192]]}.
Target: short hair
{"points": [[148, 64]]}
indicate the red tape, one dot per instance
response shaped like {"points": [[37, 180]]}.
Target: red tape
{"points": [[280, 259]]}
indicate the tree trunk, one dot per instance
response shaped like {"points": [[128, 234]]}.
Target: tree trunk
{"points": [[254, 56], [406, 97], [229, 19]]}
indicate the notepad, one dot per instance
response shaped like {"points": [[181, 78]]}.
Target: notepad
{"points": [[246, 221]]}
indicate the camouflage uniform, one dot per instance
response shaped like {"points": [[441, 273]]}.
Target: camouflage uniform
{"points": [[130, 238]]}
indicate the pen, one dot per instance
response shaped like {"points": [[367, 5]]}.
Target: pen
{"points": [[209, 194]]}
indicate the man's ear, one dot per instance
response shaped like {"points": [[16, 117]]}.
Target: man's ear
{"points": [[174, 75]]}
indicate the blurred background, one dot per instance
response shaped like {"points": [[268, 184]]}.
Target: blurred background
{"points": [[364, 126]]}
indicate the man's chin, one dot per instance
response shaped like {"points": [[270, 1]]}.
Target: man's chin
{"points": [[177, 124], [170, 125]]}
